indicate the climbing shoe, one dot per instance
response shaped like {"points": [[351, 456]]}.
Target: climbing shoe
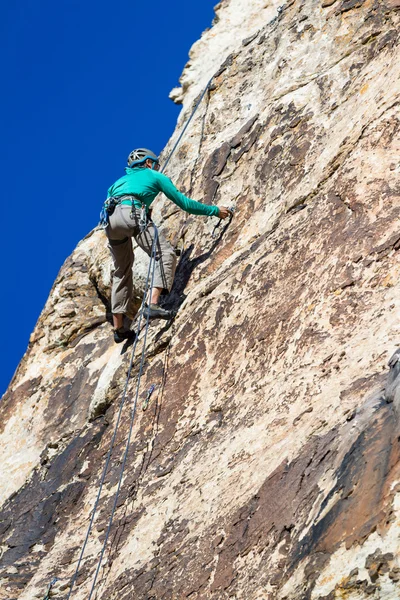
{"points": [[153, 311], [121, 335]]}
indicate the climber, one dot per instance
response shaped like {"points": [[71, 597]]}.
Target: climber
{"points": [[132, 196]]}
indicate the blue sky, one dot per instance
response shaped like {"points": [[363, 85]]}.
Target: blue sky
{"points": [[83, 83]]}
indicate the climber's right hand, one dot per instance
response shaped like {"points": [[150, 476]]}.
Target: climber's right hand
{"points": [[224, 212]]}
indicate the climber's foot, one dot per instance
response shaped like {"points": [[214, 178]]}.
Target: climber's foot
{"points": [[121, 334], [153, 311]]}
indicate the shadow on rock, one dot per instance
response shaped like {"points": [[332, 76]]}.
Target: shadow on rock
{"points": [[185, 269], [392, 389]]}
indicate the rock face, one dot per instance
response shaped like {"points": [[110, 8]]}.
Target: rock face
{"points": [[235, 20], [267, 464]]}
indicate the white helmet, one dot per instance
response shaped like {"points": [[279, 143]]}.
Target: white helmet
{"points": [[139, 156]]}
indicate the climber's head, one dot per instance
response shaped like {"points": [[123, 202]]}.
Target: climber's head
{"points": [[142, 157]]}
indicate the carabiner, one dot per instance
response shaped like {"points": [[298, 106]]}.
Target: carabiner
{"points": [[148, 396], [231, 209], [143, 218]]}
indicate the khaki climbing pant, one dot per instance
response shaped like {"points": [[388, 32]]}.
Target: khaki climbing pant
{"points": [[123, 225]]}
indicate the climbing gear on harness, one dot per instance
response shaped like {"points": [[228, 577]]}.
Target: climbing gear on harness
{"points": [[121, 334], [139, 156], [110, 205], [153, 311], [231, 210], [148, 396], [50, 587], [107, 210], [143, 218]]}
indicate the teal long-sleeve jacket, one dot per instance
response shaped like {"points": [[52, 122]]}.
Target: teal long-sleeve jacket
{"points": [[145, 184]]}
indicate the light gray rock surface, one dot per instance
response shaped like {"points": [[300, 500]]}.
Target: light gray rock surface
{"points": [[267, 464]]}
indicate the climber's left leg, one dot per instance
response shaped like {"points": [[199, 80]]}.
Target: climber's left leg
{"points": [[121, 291]]}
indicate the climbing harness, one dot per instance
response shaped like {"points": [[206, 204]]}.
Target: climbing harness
{"points": [[104, 215], [231, 210], [49, 588], [110, 205], [148, 396]]}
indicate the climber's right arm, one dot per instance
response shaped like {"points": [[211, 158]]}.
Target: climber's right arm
{"points": [[187, 204]]}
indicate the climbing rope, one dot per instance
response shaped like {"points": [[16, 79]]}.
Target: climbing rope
{"points": [[151, 270], [178, 141], [133, 412], [148, 289]]}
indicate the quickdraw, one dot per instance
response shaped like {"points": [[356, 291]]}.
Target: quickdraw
{"points": [[50, 587], [148, 396], [143, 218], [231, 210]]}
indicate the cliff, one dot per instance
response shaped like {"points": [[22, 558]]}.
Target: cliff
{"points": [[267, 464]]}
